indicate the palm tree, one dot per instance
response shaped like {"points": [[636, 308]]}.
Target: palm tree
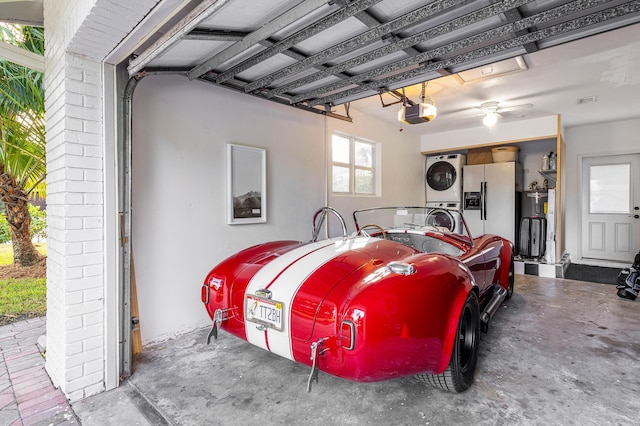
{"points": [[22, 140]]}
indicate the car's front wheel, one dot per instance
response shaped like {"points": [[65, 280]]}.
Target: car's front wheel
{"points": [[462, 366]]}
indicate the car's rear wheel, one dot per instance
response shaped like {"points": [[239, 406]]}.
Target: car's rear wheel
{"points": [[512, 278], [462, 366]]}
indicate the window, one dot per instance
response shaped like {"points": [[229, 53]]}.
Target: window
{"points": [[609, 189], [354, 166]]}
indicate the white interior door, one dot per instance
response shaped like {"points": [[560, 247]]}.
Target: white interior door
{"points": [[611, 207]]}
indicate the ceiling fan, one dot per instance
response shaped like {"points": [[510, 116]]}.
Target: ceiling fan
{"points": [[492, 111]]}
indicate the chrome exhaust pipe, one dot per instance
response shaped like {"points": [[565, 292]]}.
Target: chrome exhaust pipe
{"points": [[492, 307]]}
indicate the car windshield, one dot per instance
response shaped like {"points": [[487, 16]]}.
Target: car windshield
{"points": [[444, 220]]}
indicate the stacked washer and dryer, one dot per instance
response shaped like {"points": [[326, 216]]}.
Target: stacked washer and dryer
{"points": [[443, 187]]}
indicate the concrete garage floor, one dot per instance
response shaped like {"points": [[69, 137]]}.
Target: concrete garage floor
{"points": [[559, 352]]}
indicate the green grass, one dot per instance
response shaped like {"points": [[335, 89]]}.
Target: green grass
{"points": [[6, 252], [23, 297]]}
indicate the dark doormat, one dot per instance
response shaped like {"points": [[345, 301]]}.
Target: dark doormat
{"points": [[594, 274]]}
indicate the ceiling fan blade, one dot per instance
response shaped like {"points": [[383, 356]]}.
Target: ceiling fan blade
{"points": [[515, 108], [487, 107], [476, 114]]}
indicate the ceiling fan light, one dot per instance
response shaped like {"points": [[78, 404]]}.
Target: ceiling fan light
{"points": [[490, 119]]}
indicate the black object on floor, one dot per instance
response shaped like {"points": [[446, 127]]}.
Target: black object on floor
{"points": [[594, 274]]}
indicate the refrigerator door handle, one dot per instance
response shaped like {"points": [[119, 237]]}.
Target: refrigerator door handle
{"points": [[484, 201], [481, 200]]}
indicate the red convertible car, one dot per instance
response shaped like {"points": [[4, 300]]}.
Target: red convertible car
{"points": [[407, 294]]}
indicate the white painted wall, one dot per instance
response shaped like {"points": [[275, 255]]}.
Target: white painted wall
{"points": [[542, 127], [180, 134], [613, 138], [530, 156], [402, 165]]}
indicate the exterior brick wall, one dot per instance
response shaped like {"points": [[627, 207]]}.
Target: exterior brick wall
{"points": [[78, 35], [75, 284]]}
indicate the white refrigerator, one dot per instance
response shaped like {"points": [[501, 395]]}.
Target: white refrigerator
{"points": [[492, 196]]}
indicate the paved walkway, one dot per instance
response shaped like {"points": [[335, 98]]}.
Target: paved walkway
{"points": [[27, 396]]}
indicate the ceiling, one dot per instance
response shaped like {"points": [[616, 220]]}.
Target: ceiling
{"points": [[593, 80], [349, 58], [25, 12]]}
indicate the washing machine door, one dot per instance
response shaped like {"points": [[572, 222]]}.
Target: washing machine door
{"points": [[441, 175], [441, 218]]}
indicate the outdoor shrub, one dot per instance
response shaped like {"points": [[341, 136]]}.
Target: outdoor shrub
{"points": [[38, 222], [5, 235]]}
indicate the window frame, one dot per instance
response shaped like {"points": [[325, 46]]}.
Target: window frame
{"points": [[353, 168]]}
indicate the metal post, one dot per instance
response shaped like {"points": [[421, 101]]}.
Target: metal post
{"points": [[124, 183]]}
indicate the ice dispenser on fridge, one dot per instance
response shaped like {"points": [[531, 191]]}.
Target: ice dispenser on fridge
{"points": [[472, 201]]}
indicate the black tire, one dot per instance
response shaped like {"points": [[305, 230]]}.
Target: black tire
{"points": [[512, 278], [462, 366]]}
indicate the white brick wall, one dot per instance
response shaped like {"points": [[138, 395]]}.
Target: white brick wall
{"points": [[75, 284], [78, 35]]}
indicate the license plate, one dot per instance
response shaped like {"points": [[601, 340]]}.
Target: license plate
{"points": [[264, 311]]}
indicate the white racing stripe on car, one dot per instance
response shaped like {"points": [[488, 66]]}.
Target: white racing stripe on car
{"points": [[283, 277]]}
